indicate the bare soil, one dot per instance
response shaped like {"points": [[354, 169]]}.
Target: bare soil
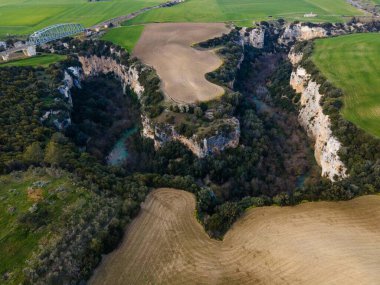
{"points": [[313, 243], [168, 48]]}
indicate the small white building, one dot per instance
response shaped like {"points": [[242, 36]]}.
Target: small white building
{"points": [[310, 15]]}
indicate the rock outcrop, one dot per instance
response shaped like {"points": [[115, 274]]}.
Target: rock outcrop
{"points": [[213, 143], [301, 32], [129, 76], [318, 125], [61, 118], [254, 37], [295, 57]]}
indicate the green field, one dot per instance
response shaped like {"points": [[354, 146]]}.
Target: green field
{"points": [[19, 239], [244, 11], [41, 60], [352, 63], [126, 37], [25, 16]]}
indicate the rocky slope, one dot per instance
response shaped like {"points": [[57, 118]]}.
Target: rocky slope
{"points": [[318, 125], [254, 37], [215, 142], [299, 32], [129, 76]]}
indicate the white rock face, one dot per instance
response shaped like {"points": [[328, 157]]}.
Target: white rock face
{"points": [[256, 37], [318, 125], [94, 65], [201, 148], [301, 33], [295, 57]]}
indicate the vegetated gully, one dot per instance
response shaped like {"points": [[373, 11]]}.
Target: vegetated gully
{"points": [[253, 81]]}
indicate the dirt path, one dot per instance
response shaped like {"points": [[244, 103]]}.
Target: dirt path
{"points": [[313, 243], [182, 69]]}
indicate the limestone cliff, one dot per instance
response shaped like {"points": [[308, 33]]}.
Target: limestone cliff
{"points": [[213, 143], [295, 57], [318, 125], [300, 32], [129, 76], [61, 118], [254, 37]]}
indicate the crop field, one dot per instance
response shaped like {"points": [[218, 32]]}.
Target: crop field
{"points": [[312, 243], [351, 63], [23, 17], [41, 60], [125, 37], [182, 68], [18, 195], [243, 12]]}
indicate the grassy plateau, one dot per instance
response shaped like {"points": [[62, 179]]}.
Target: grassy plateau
{"points": [[243, 12], [126, 37], [41, 60], [351, 63], [22, 17]]}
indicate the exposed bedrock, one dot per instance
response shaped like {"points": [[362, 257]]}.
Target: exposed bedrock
{"points": [[129, 76], [299, 32], [318, 125], [254, 37], [215, 142]]}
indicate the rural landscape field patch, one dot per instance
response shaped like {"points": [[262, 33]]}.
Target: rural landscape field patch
{"points": [[24, 17], [182, 68], [126, 37], [313, 243], [243, 12], [351, 63]]}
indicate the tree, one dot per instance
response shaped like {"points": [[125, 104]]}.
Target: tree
{"points": [[33, 153], [54, 153]]}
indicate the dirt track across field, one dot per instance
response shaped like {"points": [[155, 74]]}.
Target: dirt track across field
{"points": [[182, 69], [313, 243]]}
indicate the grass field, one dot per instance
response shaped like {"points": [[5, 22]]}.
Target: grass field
{"points": [[40, 60], [17, 241], [352, 64], [245, 11], [313, 243], [126, 37], [26, 16]]}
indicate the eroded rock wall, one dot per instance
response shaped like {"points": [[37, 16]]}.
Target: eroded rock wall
{"points": [[299, 32], [201, 147], [129, 76], [318, 125], [254, 37]]}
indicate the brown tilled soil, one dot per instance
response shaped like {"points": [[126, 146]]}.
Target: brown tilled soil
{"points": [[182, 69], [313, 243]]}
